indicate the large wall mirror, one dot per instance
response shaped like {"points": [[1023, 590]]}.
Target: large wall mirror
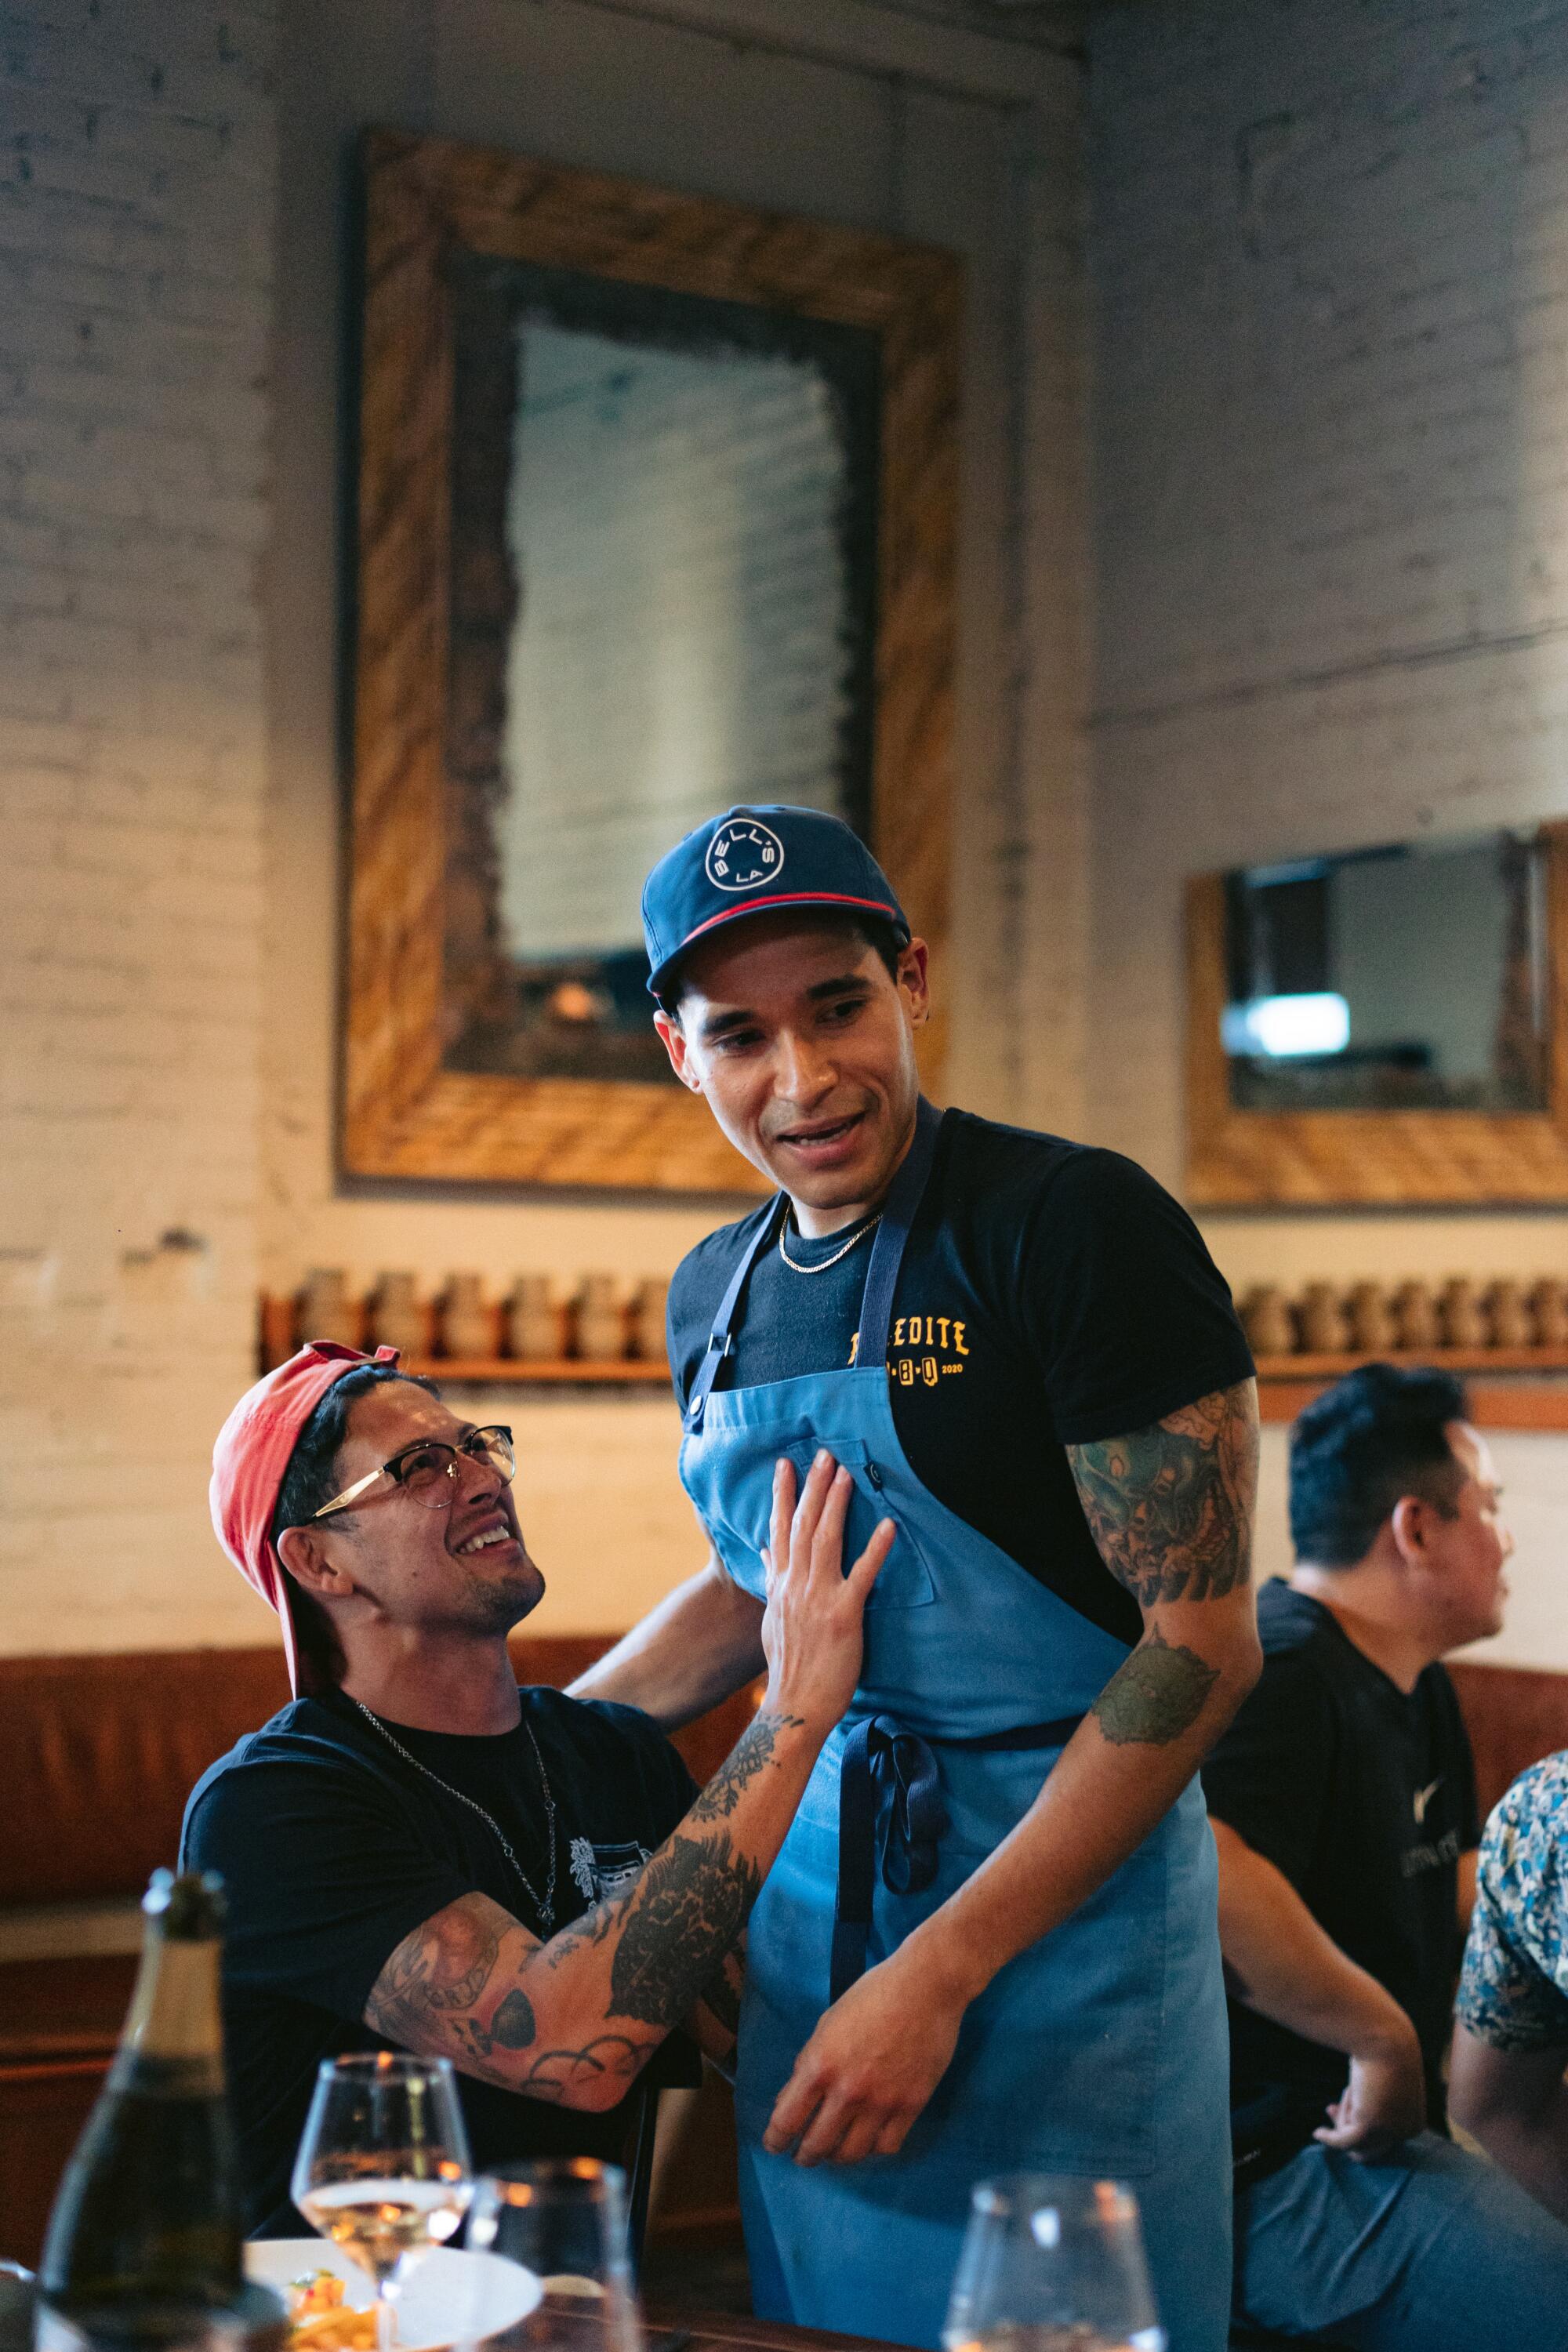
{"points": [[1382, 1024], [656, 514]]}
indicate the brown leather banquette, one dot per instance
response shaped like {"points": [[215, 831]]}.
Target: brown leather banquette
{"points": [[96, 1757]]}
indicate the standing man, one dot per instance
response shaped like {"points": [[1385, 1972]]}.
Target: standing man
{"points": [[989, 1941]]}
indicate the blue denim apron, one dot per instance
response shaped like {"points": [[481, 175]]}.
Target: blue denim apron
{"points": [[1100, 2050]]}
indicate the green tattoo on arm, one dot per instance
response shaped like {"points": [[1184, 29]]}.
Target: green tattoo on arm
{"points": [[1171, 1506], [1159, 1694]]}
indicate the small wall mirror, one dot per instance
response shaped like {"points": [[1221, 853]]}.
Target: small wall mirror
{"points": [[1385, 1024], [1412, 977]]}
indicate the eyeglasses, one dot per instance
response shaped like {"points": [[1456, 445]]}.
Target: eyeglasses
{"points": [[428, 1472]]}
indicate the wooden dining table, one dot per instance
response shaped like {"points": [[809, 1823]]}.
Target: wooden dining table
{"points": [[671, 2327], [670, 2330]]}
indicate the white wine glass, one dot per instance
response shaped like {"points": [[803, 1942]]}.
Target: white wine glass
{"points": [[383, 2170], [1052, 2263], [564, 2218]]}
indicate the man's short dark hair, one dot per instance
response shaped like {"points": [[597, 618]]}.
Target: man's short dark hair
{"points": [[867, 929], [1360, 1448], [310, 1480]]}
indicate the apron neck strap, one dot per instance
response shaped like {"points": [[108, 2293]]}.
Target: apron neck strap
{"points": [[899, 1213], [899, 1210], [722, 1338]]}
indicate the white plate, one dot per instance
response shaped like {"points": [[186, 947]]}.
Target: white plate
{"points": [[447, 2296]]}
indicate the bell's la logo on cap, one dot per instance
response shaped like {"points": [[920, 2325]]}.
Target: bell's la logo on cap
{"points": [[731, 869], [743, 853]]}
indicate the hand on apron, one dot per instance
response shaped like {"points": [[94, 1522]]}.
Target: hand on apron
{"points": [[812, 1636], [873, 2062]]}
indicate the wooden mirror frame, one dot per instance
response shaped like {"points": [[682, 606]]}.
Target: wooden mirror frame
{"points": [[403, 1115], [1252, 1158]]}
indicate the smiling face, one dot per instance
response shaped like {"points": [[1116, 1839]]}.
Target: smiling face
{"points": [[802, 1043], [462, 1569]]}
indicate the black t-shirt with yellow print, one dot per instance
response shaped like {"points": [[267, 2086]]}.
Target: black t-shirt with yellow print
{"points": [[1051, 1295]]}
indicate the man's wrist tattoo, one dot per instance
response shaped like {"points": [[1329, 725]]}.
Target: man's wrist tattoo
{"points": [[751, 1752]]}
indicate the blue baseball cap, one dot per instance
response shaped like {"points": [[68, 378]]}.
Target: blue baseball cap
{"points": [[754, 861]]}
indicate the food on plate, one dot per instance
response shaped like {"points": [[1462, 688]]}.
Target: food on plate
{"points": [[320, 2319]]}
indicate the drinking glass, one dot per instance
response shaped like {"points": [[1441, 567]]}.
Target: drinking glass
{"points": [[565, 2219], [1052, 2263], [383, 2169]]}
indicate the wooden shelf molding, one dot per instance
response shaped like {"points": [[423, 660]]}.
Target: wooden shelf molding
{"points": [[1288, 1384]]}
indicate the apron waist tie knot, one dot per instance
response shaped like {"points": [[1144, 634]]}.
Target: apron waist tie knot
{"points": [[891, 1819]]}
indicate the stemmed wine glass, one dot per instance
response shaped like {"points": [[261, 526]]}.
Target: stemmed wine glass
{"points": [[383, 2170], [1052, 2263], [564, 2218]]}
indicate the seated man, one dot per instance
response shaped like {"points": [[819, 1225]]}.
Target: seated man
{"points": [[420, 1855], [1510, 2046], [1343, 1807]]}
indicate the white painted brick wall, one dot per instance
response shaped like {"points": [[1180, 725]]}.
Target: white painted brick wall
{"points": [[1330, 259], [1329, 252], [136, 201]]}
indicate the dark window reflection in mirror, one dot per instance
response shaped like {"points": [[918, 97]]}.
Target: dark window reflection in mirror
{"points": [[664, 566], [1407, 977]]}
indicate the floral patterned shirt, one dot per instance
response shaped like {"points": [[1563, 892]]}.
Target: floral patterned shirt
{"points": [[1514, 1990]]}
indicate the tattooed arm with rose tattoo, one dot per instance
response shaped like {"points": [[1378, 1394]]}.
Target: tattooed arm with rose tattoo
{"points": [[1170, 1508], [575, 2020]]}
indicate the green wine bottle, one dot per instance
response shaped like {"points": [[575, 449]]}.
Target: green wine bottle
{"points": [[143, 2246]]}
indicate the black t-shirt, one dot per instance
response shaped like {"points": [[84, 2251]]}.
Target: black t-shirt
{"points": [[1364, 1797], [333, 1849], [1050, 1294]]}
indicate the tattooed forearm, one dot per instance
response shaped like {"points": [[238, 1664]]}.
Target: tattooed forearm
{"points": [[574, 2020], [1159, 1694], [721, 1995], [745, 1760], [686, 1911], [1171, 1506]]}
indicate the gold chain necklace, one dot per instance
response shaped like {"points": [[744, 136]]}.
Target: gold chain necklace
{"points": [[857, 1235], [545, 1906]]}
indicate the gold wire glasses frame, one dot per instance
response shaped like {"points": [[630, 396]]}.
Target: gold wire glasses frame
{"points": [[427, 1471]]}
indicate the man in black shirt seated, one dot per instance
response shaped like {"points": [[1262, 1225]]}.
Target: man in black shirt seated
{"points": [[1343, 1805], [420, 1855]]}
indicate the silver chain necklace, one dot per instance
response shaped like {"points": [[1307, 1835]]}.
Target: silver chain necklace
{"points": [[546, 1909], [821, 1267]]}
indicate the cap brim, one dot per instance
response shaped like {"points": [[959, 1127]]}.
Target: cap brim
{"points": [[804, 901]]}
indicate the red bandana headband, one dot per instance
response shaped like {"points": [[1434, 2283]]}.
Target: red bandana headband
{"points": [[252, 1458]]}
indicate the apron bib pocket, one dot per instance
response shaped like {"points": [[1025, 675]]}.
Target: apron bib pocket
{"points": [[904, 1580]]}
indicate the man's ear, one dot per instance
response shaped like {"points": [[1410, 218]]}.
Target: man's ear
{"points": [[914, 981], [303, 1554], [1409, 1523], [675, 1045]]}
